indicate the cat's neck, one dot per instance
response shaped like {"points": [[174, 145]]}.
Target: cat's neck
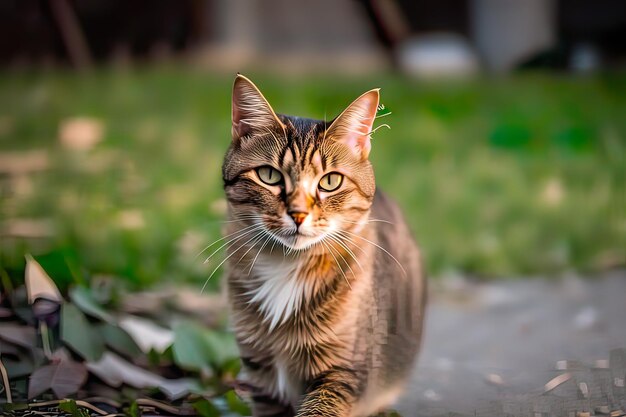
{"points": [[280, 281]]}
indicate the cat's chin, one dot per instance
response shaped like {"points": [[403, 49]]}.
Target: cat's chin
{"points": [[300, 242]]}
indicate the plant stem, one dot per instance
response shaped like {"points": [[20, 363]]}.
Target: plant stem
{"points": [[5, 381]]}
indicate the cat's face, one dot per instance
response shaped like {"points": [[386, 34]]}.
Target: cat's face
{"points": [[297, 181]]}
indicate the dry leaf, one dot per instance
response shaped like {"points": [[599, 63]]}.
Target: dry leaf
{"points": [[27, 228], [39, 284], [116, 371], [146, 334], [24, 336], [15, 163], [556, 381], [81, 133], [64, 377]]}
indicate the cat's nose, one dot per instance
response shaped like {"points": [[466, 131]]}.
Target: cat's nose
{"points": [[298, 217]]}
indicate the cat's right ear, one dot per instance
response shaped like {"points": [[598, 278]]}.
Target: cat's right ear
{"points": [[250, 110]]}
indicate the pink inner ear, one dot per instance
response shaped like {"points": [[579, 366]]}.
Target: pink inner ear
{"points": [[354, 125]]}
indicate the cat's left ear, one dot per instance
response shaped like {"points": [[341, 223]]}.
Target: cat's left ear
{"points": [[250, 110], [354, 125]]}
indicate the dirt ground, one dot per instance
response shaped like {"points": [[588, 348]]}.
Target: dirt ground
{"points": [[529, 347]]}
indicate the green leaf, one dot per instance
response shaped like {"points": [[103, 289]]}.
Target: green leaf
{"points": [[84, 299], [191, 349], [133, 410], [222, 345], [7, 408], [70, 406], [236, 404], [205, 408], [117, 338], [79, 334]]}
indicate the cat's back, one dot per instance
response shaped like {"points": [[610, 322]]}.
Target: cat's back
{"points": [[399, 286], [399, 255]]}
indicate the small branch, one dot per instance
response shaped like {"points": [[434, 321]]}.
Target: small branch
{"points": [[5, 381], [45, 339], [79, 403]]}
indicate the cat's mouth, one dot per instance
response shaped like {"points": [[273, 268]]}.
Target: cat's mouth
{"points": [[299, 240]]}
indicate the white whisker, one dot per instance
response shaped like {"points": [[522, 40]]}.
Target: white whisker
{"points": [[225, 259], [337, 262], [259, 252], [256, 240], [379, 247], [337, 239], [234, 240], [219, 240]]}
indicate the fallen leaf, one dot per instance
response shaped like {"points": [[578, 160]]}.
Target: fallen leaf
{"points": [[116, 371], [19, 368], [556, 381], [18, 163], [191, 349], [119, 340], [146, 334], [81, 133], [23, 336], [79, 334], [64, 378], [28, 228], [5, 313], [39, 284], [84, 300]]}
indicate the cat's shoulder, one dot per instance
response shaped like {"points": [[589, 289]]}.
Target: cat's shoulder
{"points": [[385, 207]]}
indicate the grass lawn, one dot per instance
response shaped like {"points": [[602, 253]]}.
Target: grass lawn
{"points": [[498, 177]]}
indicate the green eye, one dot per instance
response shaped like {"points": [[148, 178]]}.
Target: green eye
{"points": [[269, 175], [330, 182]]}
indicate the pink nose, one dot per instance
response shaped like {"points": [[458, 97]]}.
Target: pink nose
{"points": [[298, 217]]}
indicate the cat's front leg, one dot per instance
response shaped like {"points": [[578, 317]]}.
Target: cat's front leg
{"points": [[255, 382], [332, 393]]}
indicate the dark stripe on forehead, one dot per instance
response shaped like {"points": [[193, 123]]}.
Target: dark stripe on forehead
{"points": [[282, 155], [304, 160]]}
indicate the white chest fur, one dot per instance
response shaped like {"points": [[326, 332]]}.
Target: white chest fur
{"points": [[278, 290]]}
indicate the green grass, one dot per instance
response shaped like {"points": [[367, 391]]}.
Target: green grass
{"points": [[505, 177]]}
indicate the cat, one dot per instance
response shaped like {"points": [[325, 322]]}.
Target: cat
{"points": [[325, 283]]}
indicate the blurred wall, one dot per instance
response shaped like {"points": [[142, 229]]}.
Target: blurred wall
{"points": [[298, 35]]}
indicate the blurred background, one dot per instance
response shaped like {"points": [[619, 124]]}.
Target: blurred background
{"points": [[506, 147]]}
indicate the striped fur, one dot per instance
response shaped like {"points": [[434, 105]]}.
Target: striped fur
{"points": [[328, 315]]}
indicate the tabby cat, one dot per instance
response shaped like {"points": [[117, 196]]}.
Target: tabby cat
{"points": [[324, 280]]}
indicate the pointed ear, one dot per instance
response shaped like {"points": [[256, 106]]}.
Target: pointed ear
{"points": [[250, 110], [354, 125]]}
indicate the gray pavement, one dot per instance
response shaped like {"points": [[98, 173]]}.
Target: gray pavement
{"points": [[529, 347]]}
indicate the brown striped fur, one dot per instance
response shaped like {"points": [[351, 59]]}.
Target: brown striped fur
{"points": [[328, 316]]}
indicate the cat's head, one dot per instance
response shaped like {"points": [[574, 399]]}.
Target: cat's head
{"points": [[298, 181]]}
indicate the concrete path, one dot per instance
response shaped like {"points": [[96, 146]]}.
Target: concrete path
{"points": [[523, 348]]}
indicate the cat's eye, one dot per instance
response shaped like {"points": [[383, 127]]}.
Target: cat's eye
{"points": [[269, 175], [330, 182]]}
